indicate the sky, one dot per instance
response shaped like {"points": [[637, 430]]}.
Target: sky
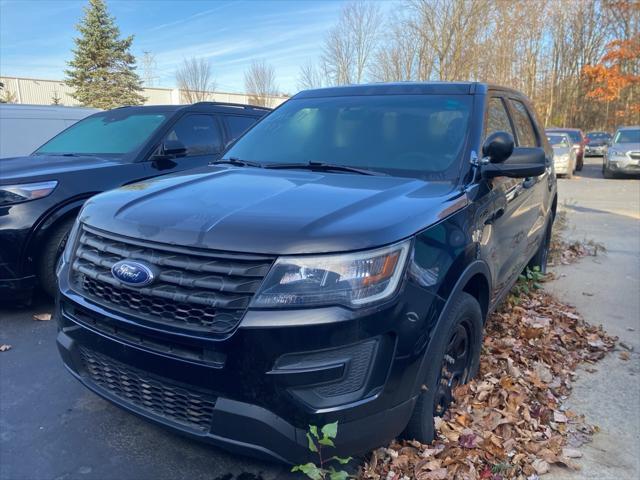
{"points": [[36, 36]]}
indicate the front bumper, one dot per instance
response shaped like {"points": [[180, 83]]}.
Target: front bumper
{"points": [[256, 391], [561, 167], [17, 263], [594, 151], [624, 166]]}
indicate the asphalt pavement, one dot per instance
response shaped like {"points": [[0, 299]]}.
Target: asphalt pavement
{"points": [[51, 427]]}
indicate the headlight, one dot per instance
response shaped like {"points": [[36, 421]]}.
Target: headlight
{"points": [[616, 153], [352, 280], [10, 194]]}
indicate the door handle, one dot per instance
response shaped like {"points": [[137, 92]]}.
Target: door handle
{"points": [[494, 216]]}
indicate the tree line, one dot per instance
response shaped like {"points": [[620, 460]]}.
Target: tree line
{"points": [[578, 60]]}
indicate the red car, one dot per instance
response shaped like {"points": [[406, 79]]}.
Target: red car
{"points": [[579, 141]]}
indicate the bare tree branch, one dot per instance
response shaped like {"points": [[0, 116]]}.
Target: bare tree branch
{"points": [[195, 80], [349, 46], [260, 83]]}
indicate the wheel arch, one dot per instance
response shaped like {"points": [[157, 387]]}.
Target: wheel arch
{"points": [[47, 224], [475, 280]]}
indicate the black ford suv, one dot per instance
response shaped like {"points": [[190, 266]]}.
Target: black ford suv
{"points": [[340, 266], [40, 195]]}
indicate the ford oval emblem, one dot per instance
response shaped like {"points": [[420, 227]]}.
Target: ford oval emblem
{"points": [[133, 273]]}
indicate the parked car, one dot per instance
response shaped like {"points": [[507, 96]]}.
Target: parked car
{"points": [[564, 157], [596, 144], [40, 195], [623, 154], [23, 128], [579, 142], [337, 264]]}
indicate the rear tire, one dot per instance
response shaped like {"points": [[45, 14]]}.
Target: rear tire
{"points": [[541, 257], [53, 248], [456, 358]]}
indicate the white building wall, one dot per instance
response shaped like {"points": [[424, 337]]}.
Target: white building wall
{"points": [[42, 92]]}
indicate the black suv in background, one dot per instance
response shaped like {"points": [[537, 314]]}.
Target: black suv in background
{"points": [[40, 195], [344, 259]]}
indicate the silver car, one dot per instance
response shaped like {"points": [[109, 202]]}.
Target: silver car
{"points": [[623, 154], [564, 157]]}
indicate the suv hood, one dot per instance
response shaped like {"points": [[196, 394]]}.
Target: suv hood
{"points": [[44, 167], [561, 150], [626, 147], [273, 212]]}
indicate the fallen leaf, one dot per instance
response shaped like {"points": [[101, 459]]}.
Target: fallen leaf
{"points": [[540, 466], [626, 346], [4, 347], [510, 421], [42, 317]]}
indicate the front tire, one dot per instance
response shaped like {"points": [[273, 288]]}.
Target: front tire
{"points": [[606, 173], [456, 359], [53, 248]]}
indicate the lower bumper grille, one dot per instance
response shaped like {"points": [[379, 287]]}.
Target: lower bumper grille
{"points": [[153, 394]]}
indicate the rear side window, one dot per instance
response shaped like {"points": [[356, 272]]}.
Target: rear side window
{"points": [[200, 134], [524, 127], [238, 125], [497, 118]]}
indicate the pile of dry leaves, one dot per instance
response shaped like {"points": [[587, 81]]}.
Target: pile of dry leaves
{"points": [[508, 423], [562, 252]]}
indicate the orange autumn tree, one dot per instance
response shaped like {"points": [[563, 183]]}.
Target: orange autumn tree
{"points": [[615, 80]]}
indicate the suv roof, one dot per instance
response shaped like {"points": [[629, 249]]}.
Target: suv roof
{"points": [[406, 88], [558, 129], [208, 106]]}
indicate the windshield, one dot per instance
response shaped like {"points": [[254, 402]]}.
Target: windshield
{"points": [[627, 136], [114, 132], [598, 136], [405, 135], [558, 140]]}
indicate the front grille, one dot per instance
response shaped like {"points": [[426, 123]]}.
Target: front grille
{"points": [[195, 290], [153, 394]]}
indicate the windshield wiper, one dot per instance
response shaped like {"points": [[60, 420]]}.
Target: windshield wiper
{"points": [[323, 167], [237, 162]]}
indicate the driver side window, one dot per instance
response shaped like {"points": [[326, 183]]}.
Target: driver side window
{"points": [[497, 118], [199, 133]]}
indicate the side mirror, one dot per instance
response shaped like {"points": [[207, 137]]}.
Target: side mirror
{"points": [[173, 148], [498, 147], [524, 162]]}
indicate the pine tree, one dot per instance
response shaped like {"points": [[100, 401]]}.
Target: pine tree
{"points": [[103, 70]]}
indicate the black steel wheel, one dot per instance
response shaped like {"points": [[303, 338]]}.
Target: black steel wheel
{"points": [[541, 257], [454, 368], [451, 359]]}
